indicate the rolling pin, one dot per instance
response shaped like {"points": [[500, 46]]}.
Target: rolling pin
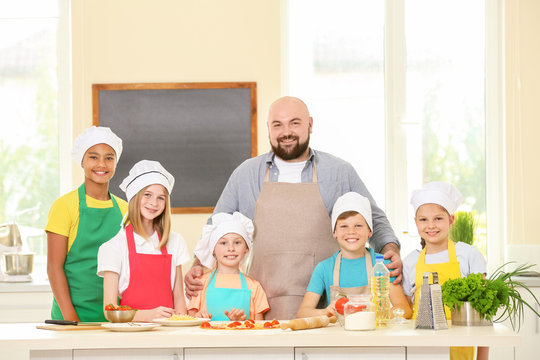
{"points": [[308, 322]]}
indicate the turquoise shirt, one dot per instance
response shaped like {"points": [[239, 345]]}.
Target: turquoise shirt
{"points": [[352, 273]]}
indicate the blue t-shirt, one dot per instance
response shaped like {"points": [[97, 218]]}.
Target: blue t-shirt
{"points": [[352, 273]]}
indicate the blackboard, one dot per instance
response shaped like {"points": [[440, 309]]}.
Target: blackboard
{"points": [[200, 132]]}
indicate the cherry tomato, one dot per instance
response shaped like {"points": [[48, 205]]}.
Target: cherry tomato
{"points": [[110, 307], [206, 325], [123, 307], [340, 303]]}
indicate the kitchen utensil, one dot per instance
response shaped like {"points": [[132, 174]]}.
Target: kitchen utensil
{"points": [[120, 316], [468, 316], [308, 322], [430, 307], [16, 263], [69, 322], [10, 236]]}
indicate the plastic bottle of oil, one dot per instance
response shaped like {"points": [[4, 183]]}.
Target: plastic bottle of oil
{"points": [[380, 291]]}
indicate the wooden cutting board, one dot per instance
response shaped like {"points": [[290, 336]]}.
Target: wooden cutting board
{"points": [[70, 327]]}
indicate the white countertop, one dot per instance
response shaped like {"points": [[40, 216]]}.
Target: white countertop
{"points": [[36, 285], [28, 337]]}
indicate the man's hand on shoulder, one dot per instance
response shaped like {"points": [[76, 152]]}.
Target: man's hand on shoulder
{"points": [[192, 282], [391, 252]]}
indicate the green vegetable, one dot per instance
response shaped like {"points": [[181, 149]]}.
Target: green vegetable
{"points": [[487, 296], [463, 227]]}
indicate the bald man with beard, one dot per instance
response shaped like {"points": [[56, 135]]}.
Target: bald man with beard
{"points": [[289, 193]]}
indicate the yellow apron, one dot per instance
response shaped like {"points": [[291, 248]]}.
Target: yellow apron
{"points": [[448, 270]]}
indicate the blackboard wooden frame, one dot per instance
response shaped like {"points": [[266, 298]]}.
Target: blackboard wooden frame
{"points": [[102, 89]]}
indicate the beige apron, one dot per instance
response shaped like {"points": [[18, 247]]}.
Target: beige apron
{"points": [[292, 234], [336, 290]]}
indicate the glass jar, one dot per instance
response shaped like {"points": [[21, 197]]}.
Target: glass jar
{"points": [[359, 313]]}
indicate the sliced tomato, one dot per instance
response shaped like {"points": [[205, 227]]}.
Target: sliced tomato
{"points": [[249, 325], [206, 325], [251, 321], [267, 324], [275, 322], [234, 324]]}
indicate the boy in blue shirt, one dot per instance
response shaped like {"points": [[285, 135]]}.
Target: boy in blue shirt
{"points": [[348, 271]]}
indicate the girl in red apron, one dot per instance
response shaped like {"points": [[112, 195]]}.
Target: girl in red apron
{"points": [[142, 264], [434, 207], [79, 222], [227, 293], [349, 270]]}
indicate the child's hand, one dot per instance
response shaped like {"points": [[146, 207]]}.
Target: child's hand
{"points": [[236, 315], [203, 314], [330, 310], [158, 313]]}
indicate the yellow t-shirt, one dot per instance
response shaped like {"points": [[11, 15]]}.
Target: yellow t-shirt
{"points": [[64, 213]]}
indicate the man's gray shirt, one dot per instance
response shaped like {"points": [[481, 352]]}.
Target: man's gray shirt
{"points": [[335, 177]]}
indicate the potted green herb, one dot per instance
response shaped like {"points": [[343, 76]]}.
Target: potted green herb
{"points": [[463, 227], [487, 296]]}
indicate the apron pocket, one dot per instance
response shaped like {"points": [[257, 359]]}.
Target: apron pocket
{"points": [[286, 273]]}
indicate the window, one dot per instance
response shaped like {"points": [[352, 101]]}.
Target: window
{"points": [[35, 111], [407, 94]]}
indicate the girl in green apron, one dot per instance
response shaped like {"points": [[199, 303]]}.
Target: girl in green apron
{"points": [[79, 222], [434, 207], [227, 293]]}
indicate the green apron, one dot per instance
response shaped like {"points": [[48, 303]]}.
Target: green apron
{"points": [[96, 226]]}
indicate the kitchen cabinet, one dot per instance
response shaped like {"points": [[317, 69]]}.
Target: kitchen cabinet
{"points": [[365, 353], [239, 353], [132, 354], [25, 302], [194, 343]]}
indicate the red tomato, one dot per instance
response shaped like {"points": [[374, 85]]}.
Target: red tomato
{"points": [[249, 325], [234, 324], [340, 303], [251, 321], [123, 307], [110, 307], [267, 324], [275, 322], [206, 325]]}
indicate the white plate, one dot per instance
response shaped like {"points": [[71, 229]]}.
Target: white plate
{"points": [[167, 322], [139, 326]]}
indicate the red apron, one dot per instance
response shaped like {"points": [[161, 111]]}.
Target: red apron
{"points": [[149, 278]]}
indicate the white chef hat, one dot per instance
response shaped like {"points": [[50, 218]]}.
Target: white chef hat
{"points": [[437, 192], [352, 201], [143, 174], [92, 136], [222, 224]]}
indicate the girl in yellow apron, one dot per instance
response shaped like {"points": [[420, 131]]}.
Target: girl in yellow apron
{"points": [[349, 270], [227, 293], [434, 206], [79, 222]]}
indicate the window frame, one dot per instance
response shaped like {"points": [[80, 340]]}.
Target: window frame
{"points": [[395, 62]]}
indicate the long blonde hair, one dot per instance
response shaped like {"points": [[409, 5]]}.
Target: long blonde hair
{"points": [[162, 223]]}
